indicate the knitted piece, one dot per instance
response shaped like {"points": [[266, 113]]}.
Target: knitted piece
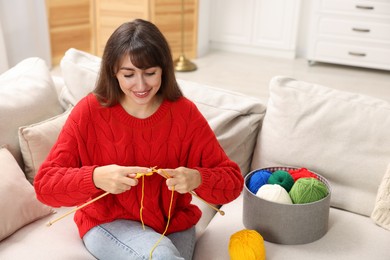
{"points": [[381, 212]]}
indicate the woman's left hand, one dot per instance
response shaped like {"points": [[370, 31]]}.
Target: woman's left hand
{"points": [[181, 179]]}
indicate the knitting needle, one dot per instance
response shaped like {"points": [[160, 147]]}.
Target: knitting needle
{"points": [[210, 205], [75, 209]]}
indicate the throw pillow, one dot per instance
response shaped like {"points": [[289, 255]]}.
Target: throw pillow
{"points": [[16, 213], [27, 95], [340, 135], [381, 212], [36, 141], [234, 118], [80, 71]]}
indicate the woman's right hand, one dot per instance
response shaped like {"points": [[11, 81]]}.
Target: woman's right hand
{"points": [[116, 179]]}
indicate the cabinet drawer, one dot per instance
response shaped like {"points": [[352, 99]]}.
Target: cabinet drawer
{"points": [[350, 54], [357, 29], [362, 7]]}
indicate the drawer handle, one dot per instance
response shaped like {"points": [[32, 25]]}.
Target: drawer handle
{"points": [[365, 7], [357, 54], [361, 30]]}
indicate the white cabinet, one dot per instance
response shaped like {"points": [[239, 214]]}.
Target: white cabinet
{"points": [[351, 32], [267, 27]]}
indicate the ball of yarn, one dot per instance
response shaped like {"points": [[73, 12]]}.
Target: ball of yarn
{"points": [[258, 179], [282, 178], [306, 190], [246, 244], [301, 173], [275, 193]]}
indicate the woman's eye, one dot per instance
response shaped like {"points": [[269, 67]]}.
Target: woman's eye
{"points": [[128, 76], [150, 73]]}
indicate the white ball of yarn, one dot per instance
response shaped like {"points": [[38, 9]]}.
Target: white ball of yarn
{"points": [[275, 193]]}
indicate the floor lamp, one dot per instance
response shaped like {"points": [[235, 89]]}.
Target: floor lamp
{"points": [[183, 64]]}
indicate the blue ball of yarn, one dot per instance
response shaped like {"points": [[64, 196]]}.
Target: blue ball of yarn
{"points": [[258, 179]]}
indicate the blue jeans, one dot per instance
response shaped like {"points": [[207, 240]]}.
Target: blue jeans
{"points": [[126, 239]]}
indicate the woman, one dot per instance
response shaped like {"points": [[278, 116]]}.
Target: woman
{"points": [[135, 119]]}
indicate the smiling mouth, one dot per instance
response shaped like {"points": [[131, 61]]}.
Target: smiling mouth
{"points": [[141, 94]]}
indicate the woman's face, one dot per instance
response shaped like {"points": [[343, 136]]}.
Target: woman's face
{"points": [[139, 85]]}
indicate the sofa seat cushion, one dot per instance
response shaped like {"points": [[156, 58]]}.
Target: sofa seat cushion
{"points": [[339, 135], [27, 96], [350, 236], [38, 241]]}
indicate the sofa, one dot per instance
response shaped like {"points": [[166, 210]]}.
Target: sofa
{"points": [[341, 136]]}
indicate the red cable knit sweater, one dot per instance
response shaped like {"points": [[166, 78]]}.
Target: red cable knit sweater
{"points": [[175, 135]]}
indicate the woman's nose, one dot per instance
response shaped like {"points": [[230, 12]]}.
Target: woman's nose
{"points": [[140, 82]]}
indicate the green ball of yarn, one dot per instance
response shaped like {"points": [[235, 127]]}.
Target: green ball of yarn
{"points": [[306, 190], [282, 178]]}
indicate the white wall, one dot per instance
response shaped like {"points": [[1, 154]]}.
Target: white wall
{"points": [[205, 19], [25, 30], [204, 16], [303, 29], [3, 53]]}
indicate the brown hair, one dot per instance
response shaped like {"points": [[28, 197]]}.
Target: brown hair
{"points": [[146, 47]]}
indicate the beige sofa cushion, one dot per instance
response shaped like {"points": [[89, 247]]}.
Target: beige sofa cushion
{"points": [[342, 136], [27, 95], [18, 204], [37, 139]]}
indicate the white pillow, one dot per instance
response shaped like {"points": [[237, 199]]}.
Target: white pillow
{"points": [[36, 141], [381, 213], [27, 95], [18, 203], [343, 136], [79, 70], [234, 118]]}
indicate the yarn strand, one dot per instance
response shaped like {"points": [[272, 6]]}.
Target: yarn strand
{"points": [[166, 226], [142, 202]]}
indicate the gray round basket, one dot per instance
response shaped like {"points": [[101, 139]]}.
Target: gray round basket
{"points": [[288, 224]]}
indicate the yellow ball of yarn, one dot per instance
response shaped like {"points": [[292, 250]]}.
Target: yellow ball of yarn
{"points": [[246, 244]]}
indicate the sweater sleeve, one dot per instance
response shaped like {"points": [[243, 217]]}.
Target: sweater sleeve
{"points": [[61, 180], [222, 180]]}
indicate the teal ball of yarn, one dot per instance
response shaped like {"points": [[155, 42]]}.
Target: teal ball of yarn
{"points": [[282, 178], [306, 190], [258, 179]]}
